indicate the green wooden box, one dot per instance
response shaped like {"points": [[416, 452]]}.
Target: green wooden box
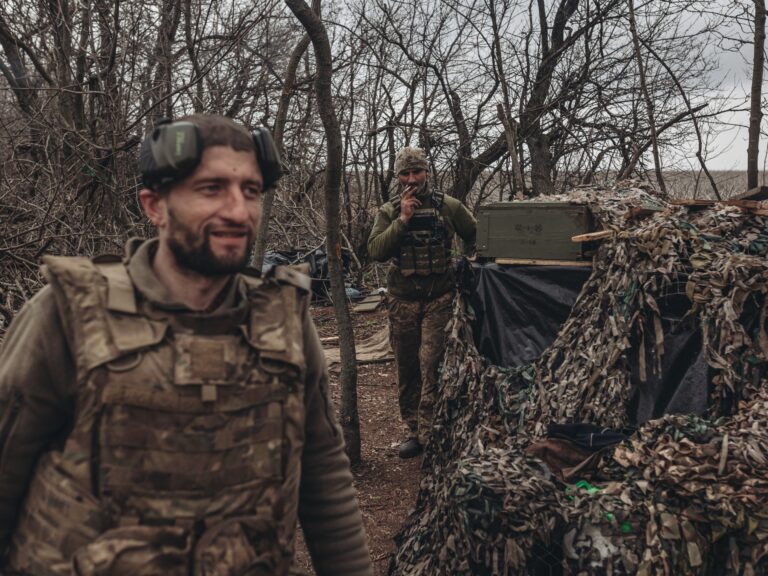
{"points": [[532, 230]]}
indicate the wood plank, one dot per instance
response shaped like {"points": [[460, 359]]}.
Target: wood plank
{"points": [[539, 262], [692, 202], [369, 304], [741, 203], [746, 204], [591, 236], [758, 193]]}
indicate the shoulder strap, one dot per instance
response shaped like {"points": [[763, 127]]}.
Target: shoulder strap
{"points": [[438, 197], [277, 305], [100, 303], [121, 296]]}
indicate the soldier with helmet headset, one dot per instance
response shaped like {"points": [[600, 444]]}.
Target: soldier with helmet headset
{"points": [[167, 412], [415, 231]]}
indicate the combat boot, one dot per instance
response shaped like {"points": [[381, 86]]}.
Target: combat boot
{"points": [[410, 448]]}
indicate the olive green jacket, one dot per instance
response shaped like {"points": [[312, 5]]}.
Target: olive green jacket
{"points": [[389, 231]]}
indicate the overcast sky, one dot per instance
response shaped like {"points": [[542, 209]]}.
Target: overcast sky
{"points": [[731, 143]]}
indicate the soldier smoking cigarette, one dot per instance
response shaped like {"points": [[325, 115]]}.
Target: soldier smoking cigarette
{"points": [[420, 284]]}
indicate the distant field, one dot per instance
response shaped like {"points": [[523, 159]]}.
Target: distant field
{"points": [[696, 184], [680, 184]]}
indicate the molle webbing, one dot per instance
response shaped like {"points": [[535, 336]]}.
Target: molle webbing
{"points": [[128, 479], [228, 438], [172, 402], [189, 444], [429, 258], [61, 515], [425, 249]]}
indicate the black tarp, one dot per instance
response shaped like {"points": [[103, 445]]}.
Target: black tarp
{"points": [[318, 265], [682, 384], [519, 311]]}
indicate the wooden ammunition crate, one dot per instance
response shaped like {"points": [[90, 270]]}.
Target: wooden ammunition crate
{"points": [[532, 230]]}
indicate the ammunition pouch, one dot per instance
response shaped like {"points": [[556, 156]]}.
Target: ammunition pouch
{"points": [[426, 248], [139, 550], [241, 545]]}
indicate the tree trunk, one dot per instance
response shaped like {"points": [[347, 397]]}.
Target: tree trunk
{"points": [[197, 100], [692, 112], [510, 135], [541, 161], [25, 85], [162, 85], [530, 120], [504, 110], [755, 111], [350, 421]]}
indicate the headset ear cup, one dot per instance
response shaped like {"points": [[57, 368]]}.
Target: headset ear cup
{"points": [[268, 156], [147, 164], [170, 153]]}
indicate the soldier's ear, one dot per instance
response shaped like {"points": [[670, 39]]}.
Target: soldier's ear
{"points": [[153, 204]]}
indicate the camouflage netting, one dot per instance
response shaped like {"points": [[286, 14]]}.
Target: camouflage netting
{"points": [[684, 494]]}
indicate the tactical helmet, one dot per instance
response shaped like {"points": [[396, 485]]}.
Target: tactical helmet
{"points": [[409, 158]]}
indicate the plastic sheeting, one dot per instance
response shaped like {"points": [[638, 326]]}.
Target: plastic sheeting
{"points": [[681, 386], [520, 309], [318, 266]]}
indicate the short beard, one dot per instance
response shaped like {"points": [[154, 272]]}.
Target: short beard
{"points": [[200, 258], [422, 191]]}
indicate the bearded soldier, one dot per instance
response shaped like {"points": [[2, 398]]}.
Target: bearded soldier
{"points": [[167, 412], [416, 230]]}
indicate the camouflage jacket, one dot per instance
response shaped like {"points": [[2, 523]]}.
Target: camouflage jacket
{"points": [[40, 396], [389, 232]]}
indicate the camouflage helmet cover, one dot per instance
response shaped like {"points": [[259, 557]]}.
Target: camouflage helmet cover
{"points": [[410, 158]]}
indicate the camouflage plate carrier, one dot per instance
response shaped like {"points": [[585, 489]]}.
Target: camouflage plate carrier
{"points": [[184, 458], [426, 248]]}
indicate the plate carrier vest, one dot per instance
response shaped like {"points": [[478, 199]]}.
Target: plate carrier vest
{"points": [[184, 457], [426, 248]]}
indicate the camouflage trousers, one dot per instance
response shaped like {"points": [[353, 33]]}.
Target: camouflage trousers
{"points": [[417, 337]]}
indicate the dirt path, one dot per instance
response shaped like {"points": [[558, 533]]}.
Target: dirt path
{"points": [[386, 485]]}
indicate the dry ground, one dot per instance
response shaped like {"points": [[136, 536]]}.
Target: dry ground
{"points": [[386, 486]]}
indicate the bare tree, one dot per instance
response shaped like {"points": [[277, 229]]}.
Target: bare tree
{"points": [[755, 110], [86, 80], [316, 30], [506, 96]]}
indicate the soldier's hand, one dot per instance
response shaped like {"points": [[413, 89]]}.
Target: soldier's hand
{"points": [[408, 203]]}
